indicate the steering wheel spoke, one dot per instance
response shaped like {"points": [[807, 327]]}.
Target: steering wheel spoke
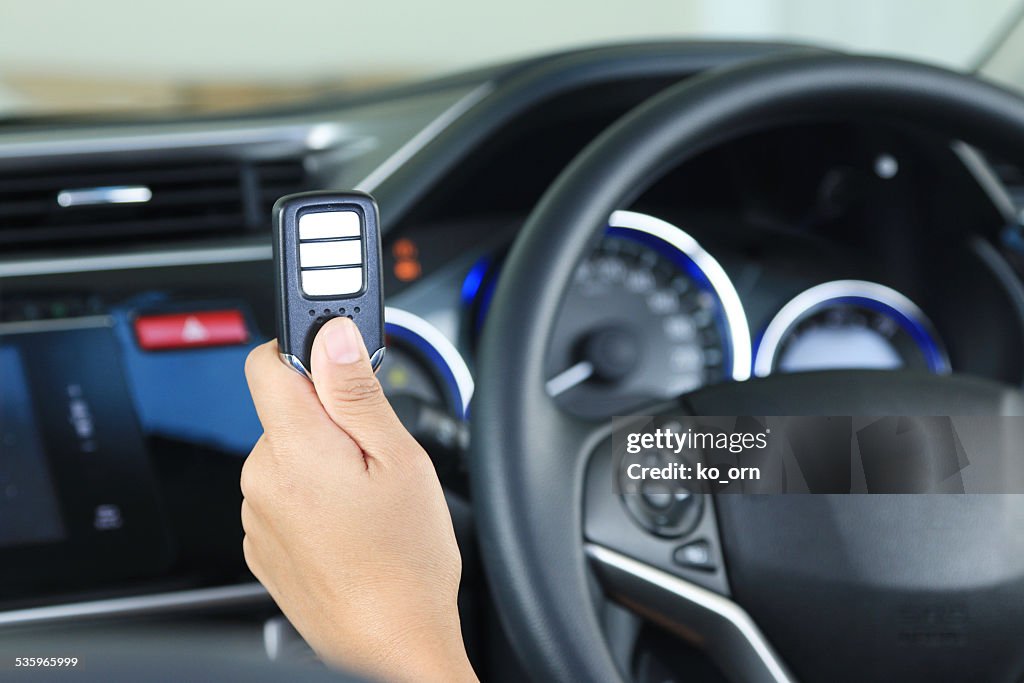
{"points": [[657, 552], [702, 616]]}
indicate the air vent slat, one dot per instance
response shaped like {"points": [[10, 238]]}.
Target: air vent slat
{"points": [[274, 190], [200, 196], [184, 176], [23, 207], [166, 197], [226, 223]]}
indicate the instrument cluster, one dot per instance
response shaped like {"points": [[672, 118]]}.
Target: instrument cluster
{"points": [[651, 314]]}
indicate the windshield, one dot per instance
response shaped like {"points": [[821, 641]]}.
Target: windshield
{"points": [[71, 57]]}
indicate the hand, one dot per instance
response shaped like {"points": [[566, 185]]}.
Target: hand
{"points": [[345, 522]]}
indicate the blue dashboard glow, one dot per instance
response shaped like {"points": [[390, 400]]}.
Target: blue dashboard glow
{"points": [[437, 361], [480, 281], [922, 337], [695, 272], [474, 279], [677, 257], [194, 395], [869, 296], [432, 346]]}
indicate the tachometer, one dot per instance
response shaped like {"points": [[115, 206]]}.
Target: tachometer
{"points": [[850, 324], [650, 315]]}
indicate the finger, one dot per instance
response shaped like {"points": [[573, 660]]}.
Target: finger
{"points": [[350, 392], [283, 398], [248, 517]]}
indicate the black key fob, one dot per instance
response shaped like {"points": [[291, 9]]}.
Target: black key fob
{"points": [[328, 262]]}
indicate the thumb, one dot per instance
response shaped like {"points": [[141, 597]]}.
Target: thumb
{"points": [[350, 392]]}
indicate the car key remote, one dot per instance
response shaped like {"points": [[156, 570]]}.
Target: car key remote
{"points": [[328, 261]]}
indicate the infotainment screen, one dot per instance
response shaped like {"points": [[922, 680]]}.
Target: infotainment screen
{"points": [[28, 500], [79, 503]]}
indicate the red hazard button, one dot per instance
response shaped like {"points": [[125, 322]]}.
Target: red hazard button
{"points": [[191, 330]]}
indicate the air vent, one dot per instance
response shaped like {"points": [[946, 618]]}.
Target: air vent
{"points": [[146, 202]]}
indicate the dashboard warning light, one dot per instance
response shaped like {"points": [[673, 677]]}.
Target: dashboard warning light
{"points": [[398, 377], [404, 249], [407, 271], [407, 265]]}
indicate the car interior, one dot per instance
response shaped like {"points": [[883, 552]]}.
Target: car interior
{"points": [[715, 227]]}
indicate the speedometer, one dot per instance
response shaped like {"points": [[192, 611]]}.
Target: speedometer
{"points": [[650, 315]]}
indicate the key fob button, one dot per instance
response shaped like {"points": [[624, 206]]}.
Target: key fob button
{"points": [[325, 225], [321, 254], [332, 281]]}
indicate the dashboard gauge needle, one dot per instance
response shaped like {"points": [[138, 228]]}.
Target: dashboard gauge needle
{"points": [[567, 379]]}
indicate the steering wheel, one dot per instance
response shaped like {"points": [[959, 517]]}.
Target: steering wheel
{"points": [[822, 587]]}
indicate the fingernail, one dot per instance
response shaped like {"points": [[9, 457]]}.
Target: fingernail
{"points": [[342, 341]]}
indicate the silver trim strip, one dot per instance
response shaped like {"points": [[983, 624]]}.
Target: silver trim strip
{"points": [[377, 357], [445, 349], [700, 597], [735, 316], [292, 361], [97, 196], [147, 259], [295, 364], [988, 181], [297, 135], [417, 142], [808, 300], [192, 599]]}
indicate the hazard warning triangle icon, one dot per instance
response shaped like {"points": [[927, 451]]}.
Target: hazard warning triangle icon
{"points": [[194, 331]]}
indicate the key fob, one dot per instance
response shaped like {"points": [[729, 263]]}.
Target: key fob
{"points": [[328, 262]]}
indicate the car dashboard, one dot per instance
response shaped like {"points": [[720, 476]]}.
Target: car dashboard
{"points": [[136, 275]]}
